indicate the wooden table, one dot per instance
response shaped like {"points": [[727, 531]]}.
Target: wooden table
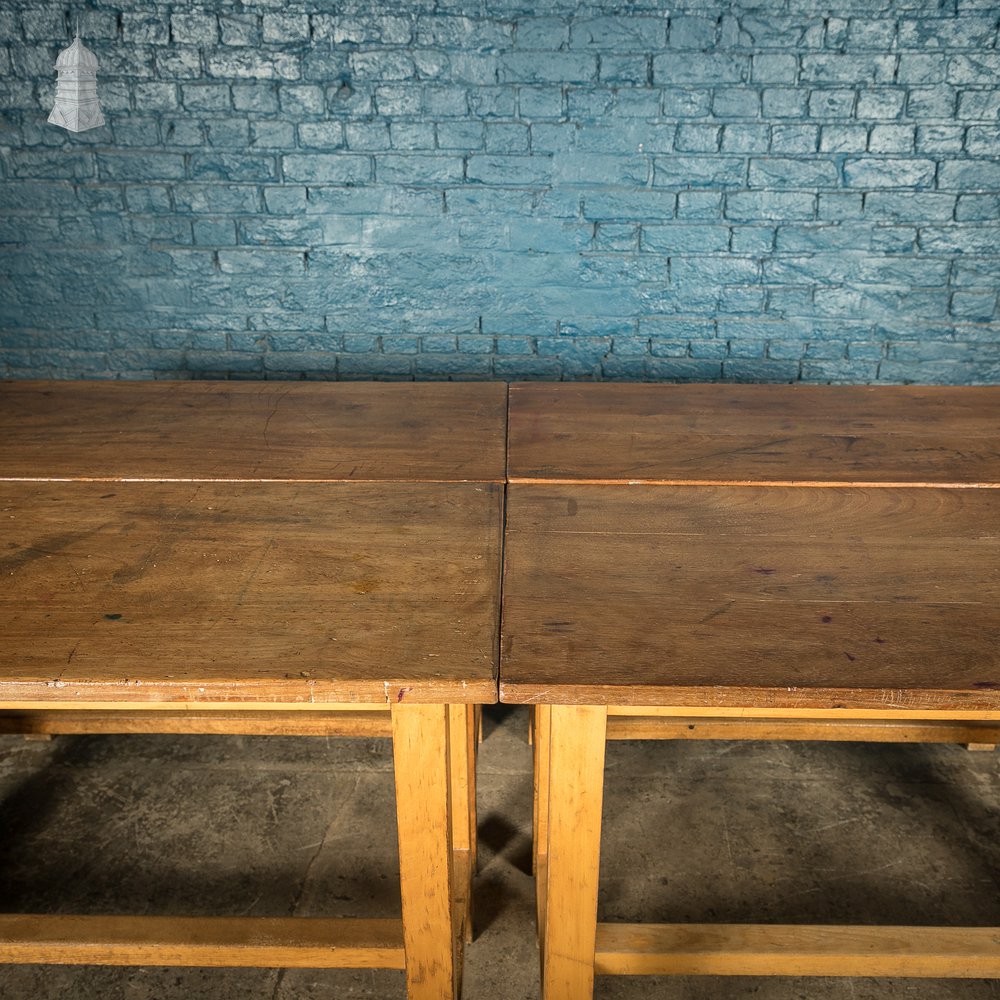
{"points": [[838, 580], [252, 558]]}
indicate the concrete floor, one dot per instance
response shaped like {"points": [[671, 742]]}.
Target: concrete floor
{"points": [[694, 832]]}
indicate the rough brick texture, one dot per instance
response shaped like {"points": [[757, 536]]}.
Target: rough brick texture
{"points": [[489, 189]]}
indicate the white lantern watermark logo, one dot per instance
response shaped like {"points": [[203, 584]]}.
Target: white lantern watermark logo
{"points": [[76, 107]]}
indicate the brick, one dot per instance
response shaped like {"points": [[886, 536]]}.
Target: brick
{"points": [[362, 30], [728, 270], [794, 138], [892, 139], [974, 307], [831, 103], [966, 176], [735, 102], [774, 68], [556, 67], [982, 140], [872, 33], [278, 28], [977, 207], [233, 167], [965, 32], [848, 68], [711, 350], [697, 138], [880, 103], [214, 232], [139, 166], [492, 102], [908, 206], [751, 206], [701, 67], [285, 199], [506, 138], [228, 132], [958, 239], [769, 31], [645, 205], [206, 96], [540, 102], [239, 29], [619, 34], [932, 102], [758, 240], [194, 29], [843, 139], [271, 135], [784, 102], [545, 33], [685, 239], [765, 370], [886, 172], [472, 34], [145, 29], [692, 32], [256, 97], [979, 104], [321, 168], [147, 198], [214, 199], [699, 205], [460, 135], [156, 96], [382, 65], [330, 135], [792, 173], [686, 103], [175, 62], [626, 69], [529, 366], [684, 370], [980, 69], [510, 170], [940, 138], [698, 171], [445, 102], [391, 101], [746, 138], [392, 168]]}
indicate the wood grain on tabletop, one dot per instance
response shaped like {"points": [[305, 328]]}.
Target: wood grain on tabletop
{"points": [[298, 431], [797, 434], [726, 596], [248, 592]]}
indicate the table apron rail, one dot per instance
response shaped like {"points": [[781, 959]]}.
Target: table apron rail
{"points": [[665, 727], [251, 942], [371, 722], [797, 950]]}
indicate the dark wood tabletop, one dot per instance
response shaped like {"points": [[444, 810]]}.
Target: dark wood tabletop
{"points": [[286, 593], [741, 434], [295, 431], [752, 597]]}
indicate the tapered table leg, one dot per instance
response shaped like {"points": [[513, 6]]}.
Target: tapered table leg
{"points": [[576, 742], [431, 924]]}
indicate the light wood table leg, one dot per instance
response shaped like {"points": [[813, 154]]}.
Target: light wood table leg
{"points": [[540, 715], [462, 749], [431, 930], [576, 742]]}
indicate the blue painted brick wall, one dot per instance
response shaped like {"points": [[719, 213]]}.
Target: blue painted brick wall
{"points": [[562, 189]]}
